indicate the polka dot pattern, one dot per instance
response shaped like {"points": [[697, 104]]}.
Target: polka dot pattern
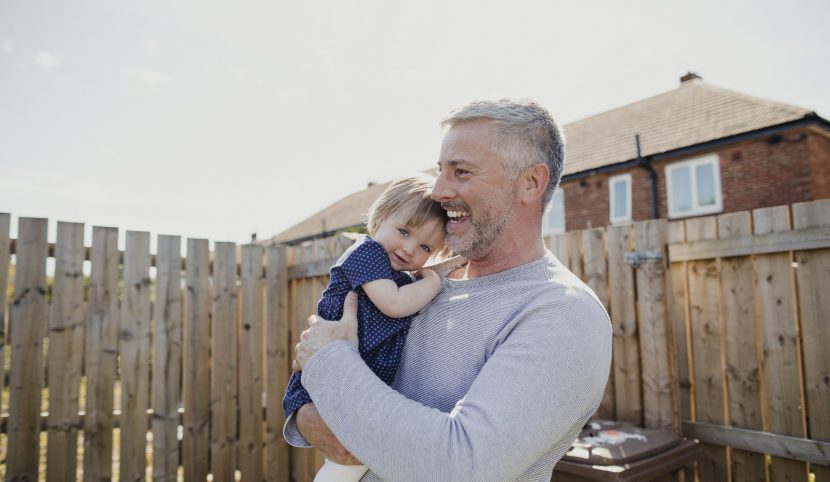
{"points": [[381, 338]]}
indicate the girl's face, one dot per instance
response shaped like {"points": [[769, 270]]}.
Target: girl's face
{"points": [[409, 247]]}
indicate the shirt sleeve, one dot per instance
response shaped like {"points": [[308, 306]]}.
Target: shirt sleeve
{"points": [[368, 262], [533, 393]]}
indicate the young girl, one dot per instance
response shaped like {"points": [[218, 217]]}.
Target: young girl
{"points": [[406, 228]]}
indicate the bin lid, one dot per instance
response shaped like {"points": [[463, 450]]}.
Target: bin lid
{"points": [[614, 443]]}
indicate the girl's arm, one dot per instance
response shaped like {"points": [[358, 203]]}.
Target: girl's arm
{"points": [[397, 302]]}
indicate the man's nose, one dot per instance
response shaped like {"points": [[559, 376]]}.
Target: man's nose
{"points": [[442, 190]]}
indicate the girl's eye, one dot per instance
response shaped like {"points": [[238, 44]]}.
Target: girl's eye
{"points": [[403, 232], [426, 248]]}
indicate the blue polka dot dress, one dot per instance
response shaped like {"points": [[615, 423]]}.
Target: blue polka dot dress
{"points": [[381, 338]]}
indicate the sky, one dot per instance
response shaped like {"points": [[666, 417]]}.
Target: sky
{"points": [[217, 120]]}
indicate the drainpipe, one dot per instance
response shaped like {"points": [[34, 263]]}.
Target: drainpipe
{"points": [[652, 177]]}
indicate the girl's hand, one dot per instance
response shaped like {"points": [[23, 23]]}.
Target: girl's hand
{"points": [[428, 274]]}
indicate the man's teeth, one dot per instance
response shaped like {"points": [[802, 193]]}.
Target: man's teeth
{"points": [[457, 214]]}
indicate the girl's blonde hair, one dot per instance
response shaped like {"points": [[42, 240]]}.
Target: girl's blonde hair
{"points": [[409, 200]]}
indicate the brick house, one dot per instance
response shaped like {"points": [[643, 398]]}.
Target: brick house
{"points": [[695, 150]]}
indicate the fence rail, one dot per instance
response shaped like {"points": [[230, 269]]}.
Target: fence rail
{"points": [[720, 331]]}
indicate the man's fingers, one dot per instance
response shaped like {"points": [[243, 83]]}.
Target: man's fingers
{"points": [[350, 307], [312, 320]]}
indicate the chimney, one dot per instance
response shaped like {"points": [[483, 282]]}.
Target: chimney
{"points": [[689, 76]]}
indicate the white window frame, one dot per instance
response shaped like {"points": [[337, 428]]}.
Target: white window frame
{"points": [[612, 181], [547, 229], [692, 164]]}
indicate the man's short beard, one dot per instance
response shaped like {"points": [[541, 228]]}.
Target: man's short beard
{"points": [[487, 227]]}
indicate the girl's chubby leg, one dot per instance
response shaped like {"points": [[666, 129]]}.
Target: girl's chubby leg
{"points": [[334, 472]]}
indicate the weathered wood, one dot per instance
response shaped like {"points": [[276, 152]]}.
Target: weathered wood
{"points": [[742, 350], [250, 365], [311, 269], [626, 339], [796, 448], [679, 318], [814, 306], [774, 242], [167, 359], [575, 252], [101, 350], [5, 224], [27, 323], [656, 341], [196, 442], [596, 277], [277, 363], [706, 336], [224, 374], [558, 245], [135, 357], [782, 373], [66, 341]]}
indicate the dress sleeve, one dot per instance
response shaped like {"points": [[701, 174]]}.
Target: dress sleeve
{"points": [[368, 262]]}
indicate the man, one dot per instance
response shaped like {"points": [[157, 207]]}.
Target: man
{"points": [[504, 367]]}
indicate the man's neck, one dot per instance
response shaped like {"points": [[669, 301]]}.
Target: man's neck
{"points": [[512, 253]]}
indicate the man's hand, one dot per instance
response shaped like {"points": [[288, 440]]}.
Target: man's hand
{"points": [[321, 332], [317, 433]]}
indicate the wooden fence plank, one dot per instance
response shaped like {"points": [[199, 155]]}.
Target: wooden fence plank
{"points": [[596, 276], [656, 341], [135, 357], [782, 374], [196, 442], [704, 317], [558, 245], [66, 340], [814, 305], [743, 370], [5, 224], [250, 365], [277, 363], [627, 376], [101, 351], [167, 359], [679, 318], [223, 385], [574, 242], [26, 327]]}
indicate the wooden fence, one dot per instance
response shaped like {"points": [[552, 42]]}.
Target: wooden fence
{"points": [[163, 367]]}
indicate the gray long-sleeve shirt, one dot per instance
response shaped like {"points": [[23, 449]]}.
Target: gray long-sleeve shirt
{"points": [[498, 375]]}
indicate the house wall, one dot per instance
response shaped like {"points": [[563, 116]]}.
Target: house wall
{"points": [[771, 171], [820, 158]]}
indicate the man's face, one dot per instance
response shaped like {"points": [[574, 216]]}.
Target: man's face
{"points": [[474, 189]]}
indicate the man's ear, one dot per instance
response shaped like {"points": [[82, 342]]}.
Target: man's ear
{"points": [[534, 182]]}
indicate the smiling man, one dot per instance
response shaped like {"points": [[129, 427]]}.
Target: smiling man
{"points": [[502, 369]]}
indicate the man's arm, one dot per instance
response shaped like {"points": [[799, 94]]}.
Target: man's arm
{"points": [[533, 394], [317, 433]]}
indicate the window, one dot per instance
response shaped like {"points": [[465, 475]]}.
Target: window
{"points": [[694, 187], [620, 198], [554, 220]]}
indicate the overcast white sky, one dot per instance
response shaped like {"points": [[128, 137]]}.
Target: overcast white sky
{"points": [[221, 119]]}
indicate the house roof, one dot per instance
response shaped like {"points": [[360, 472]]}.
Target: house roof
{"points": [[694, 113]]}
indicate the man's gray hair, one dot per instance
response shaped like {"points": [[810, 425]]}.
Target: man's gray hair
{"points": [[526, 135]]}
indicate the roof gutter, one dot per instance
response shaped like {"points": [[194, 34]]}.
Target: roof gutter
{"points": [[652, 177], [808, 120]]}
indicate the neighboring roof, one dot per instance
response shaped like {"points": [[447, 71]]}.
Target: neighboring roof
{"points": [[692, 114], [345, 213]]}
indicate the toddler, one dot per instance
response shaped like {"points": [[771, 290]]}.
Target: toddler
{"points": [[406, 228]]}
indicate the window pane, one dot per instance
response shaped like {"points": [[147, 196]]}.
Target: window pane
{"points": [[556, 214], [621, 199], [681, 189], [706, 185]]}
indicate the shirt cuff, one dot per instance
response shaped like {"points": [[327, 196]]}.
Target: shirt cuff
{"points": [[291, 433]]}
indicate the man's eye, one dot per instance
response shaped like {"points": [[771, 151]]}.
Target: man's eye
{"points": [[426, 248], [461, 172]]}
